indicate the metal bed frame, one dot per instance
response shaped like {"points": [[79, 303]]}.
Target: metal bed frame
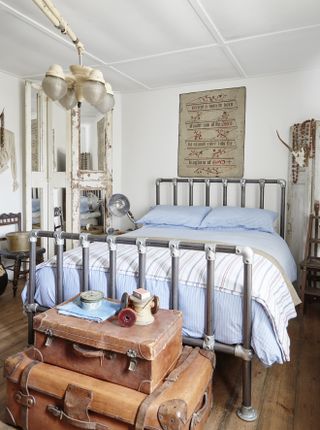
{"points": [[244, 351]]}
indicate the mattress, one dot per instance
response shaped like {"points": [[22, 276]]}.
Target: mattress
{"points": [[272, 305]]}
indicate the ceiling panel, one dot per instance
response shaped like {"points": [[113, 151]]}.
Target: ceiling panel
{"points": [[115, 30], [191, 66], [158, 43], [279, 53], [244, 18], [119, 82]]}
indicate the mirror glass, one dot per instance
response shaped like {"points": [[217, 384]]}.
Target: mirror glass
{"points": [[59, 209], [35, 131], [92, 211], [59, 118], [92, 139], [36, 207]]}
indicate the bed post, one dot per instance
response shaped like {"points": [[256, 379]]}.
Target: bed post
{"points": [[142, 249], [175, 253], [113, 266], [158, 181], [246, 412], [30, 308], [190, 181], [225, 192], [209, 341], [59, 273], [262, 184], [83, 237], [282, 183]]}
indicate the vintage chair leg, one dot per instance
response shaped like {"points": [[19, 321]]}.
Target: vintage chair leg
{"points": [[16, 273]]}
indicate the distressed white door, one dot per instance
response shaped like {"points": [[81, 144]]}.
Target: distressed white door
{"points": [[47, 161], [301, 198]]}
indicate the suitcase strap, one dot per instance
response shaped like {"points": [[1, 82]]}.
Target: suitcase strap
{"points": [[75, 411], [23, 397], [187, 357], [88, 425]]}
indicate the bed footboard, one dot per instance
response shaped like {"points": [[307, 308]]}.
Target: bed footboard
{"points": [[244, 351]]}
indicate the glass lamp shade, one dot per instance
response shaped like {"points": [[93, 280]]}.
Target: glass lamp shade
{"points": [[106, 103], [92, 91], [54, 86], [69, 100]]}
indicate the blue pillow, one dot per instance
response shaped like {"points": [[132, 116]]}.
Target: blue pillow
{"points": [[184, 216], [240, 218]]}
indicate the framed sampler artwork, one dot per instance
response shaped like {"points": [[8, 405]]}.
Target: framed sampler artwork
{"points": [[211, 133]]}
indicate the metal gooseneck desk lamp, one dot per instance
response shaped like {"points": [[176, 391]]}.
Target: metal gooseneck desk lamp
{"points": [[119, 206]]}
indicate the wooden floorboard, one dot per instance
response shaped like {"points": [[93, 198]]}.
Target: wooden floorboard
{"points": [[286, 396]]}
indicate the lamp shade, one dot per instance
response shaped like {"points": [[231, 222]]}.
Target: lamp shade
{"points": [[54, 83], [92, 91], [69, 100], [106, 103], [54, 87], [118, 205]]}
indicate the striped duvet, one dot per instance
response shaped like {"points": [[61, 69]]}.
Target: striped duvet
{"points": [[273, 306]]}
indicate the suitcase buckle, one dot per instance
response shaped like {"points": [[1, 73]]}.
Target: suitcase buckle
{"points": [[49, 338], [133, 360], [25, 399]]}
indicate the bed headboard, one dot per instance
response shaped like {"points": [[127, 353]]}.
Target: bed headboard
{"points": [[224, 182]]}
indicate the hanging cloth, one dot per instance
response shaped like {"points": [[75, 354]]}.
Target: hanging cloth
{"points": [[7, 152]]}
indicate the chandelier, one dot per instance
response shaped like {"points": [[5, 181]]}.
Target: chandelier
{"points": [[84, 83]]}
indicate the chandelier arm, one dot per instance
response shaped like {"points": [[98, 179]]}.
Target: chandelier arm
{"points": [[51, 12]]}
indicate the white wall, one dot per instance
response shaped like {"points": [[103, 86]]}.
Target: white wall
{"points": [[150, 129], [145, 132], [12, 100]]}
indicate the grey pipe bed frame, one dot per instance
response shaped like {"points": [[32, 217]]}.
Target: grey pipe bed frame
{"points": [[244, 351]]}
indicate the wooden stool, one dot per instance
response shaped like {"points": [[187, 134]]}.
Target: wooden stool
{"points": [[310, 266]]}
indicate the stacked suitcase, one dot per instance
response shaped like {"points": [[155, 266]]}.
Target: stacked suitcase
{"points": [[81, 374]]}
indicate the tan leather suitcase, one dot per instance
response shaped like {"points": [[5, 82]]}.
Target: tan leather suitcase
{"points": [[41, 396], [137, 357]]}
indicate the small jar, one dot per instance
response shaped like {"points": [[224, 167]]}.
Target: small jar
{"points": [[91, 300]]}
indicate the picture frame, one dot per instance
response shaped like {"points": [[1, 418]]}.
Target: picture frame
{"points": [[211, 133]]}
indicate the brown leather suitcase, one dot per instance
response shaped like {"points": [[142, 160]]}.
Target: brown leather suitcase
{"points": [[137, 357], [41, 396]]}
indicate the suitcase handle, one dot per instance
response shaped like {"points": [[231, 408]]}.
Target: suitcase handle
{"points": [[87, 353], [87, 425], [197, 416]]}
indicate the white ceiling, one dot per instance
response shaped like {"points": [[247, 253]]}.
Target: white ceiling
{"points": [[148, 44]]}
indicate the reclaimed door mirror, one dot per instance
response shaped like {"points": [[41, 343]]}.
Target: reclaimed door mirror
{"points": [[92, 139], [91, 168], [47, 142]]}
